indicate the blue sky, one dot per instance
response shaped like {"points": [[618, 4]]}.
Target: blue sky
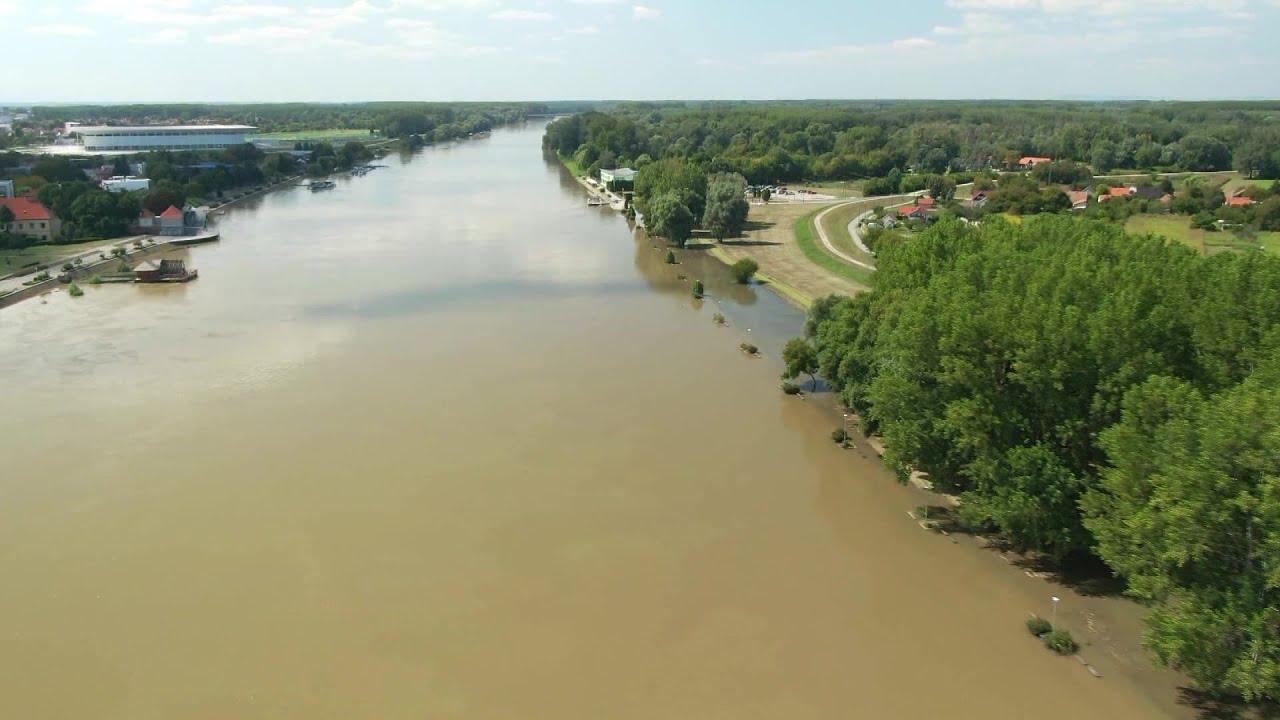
{"points": [[346, 50]]}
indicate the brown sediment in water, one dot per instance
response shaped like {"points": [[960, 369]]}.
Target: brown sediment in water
{"points": [[446, 443]]}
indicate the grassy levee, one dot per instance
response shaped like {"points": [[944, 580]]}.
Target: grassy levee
{"points": [[807, 239]]}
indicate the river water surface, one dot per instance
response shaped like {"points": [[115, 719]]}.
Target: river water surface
{"points": [[446, 443]]}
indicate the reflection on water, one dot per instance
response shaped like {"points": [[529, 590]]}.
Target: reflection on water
{"points": [[444, 442]]}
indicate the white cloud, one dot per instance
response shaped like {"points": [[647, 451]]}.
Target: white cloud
{"points": [[270, 35], [162, 37], [976, 24], [644, 12], [439, 5], [585, 30], [60, 30], [815, 55], [10, 7], [992, 4], [522, 15], [233, 12], [913, 42], [617, 2]]}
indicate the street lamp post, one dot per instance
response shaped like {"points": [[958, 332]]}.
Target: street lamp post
{"points": [[1053, 622]]}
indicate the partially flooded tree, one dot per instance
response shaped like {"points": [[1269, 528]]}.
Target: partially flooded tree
{"points": [[727, 206], [801, 359]]}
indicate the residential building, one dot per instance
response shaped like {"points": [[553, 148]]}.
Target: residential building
{"points": [[617, 175], [125, 183], [1239, 201], [917, 212], [170, 222], [30, 218], [1029, 161], [109, 138], [1148, 192], [925, 201], [1079, 199], [1117, 192]]}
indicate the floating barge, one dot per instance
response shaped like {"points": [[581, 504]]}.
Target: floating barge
{"points": [[322, 185], [194, 239]]}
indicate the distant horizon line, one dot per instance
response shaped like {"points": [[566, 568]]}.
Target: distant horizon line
{"points": [[1064, 98]]}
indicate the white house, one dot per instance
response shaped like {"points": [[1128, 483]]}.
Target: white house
{"points": [[126, 183], [617, 175]]}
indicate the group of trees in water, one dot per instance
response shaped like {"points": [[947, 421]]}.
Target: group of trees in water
{"points": [[853, 140], [676, 197], [1088, 391]]}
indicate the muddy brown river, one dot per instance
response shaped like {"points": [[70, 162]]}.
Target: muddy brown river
{"points": [[444, 442]]}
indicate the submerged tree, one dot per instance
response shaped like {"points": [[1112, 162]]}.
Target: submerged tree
{"points": [[669, 217]]}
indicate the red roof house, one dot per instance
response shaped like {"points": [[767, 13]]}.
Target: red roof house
{"points": [[1116, 192], [1079, 199], [30, 217], [925, 201], [1030, 161], [1240, 201], [170, 221]]}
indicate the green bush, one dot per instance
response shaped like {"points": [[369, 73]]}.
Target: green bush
{"points": [[74, 290], [748, 348], [744, 269], [790, 388], [1060, 641], [840, 436], [1039, 626], [96, 280], [698, 289], [718, 319], [671, 257]]}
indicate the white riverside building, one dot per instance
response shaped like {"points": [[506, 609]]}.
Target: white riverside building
{"points": [[107, 138]]}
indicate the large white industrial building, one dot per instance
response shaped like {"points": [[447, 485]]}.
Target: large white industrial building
{"points": [[110, 138]]}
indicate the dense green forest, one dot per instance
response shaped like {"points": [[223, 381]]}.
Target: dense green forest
{"points": [[788, 142], [1088, 391], [395, 119]]}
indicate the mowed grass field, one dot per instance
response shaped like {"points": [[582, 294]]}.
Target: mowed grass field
{"points": [[1178, 228]]}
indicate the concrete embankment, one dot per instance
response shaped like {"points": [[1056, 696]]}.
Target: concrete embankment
{"points": [[100, 267]]}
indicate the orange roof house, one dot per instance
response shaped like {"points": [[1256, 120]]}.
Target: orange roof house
{"points": [[30, 217], [1033, 160], [1241, 201]]}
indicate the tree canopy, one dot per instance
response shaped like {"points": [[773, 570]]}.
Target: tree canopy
{"points": [[1085, 390], [792, 141]]}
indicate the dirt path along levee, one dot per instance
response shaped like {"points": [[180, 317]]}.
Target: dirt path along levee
{"points": [[770, 240]]}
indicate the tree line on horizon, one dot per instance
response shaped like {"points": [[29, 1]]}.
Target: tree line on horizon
{"points": [[790, 142], [1085, 391]]}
